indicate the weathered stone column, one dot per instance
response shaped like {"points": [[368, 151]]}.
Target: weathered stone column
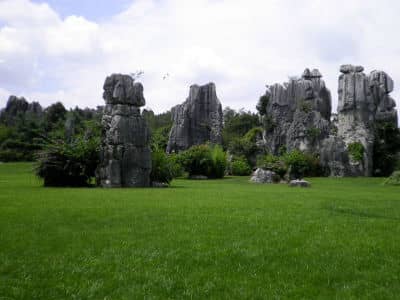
{"points": [[198, 120], [125, 157]]}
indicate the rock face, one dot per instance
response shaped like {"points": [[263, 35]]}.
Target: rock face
{"points": [[262, 176], [125, 158], [196, 121], [18, 106], [297, 113], [363, 101]]}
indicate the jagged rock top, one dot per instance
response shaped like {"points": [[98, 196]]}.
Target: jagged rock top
{"points": [[345, 69], [197, 120], [381, 79], [307, 74], [121, 89]]}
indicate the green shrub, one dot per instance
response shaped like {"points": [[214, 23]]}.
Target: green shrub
{"points": [[273, 163], [219, 162], [240, 167], [204, 160], [68, 164], [302, 164], [164, 168], [253, 134], [243, 147], [386, 148], [8, 155], [394, 179], [197, 160], [356, 151]]}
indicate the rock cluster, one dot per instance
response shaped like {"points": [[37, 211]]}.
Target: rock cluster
{"points": [[196, 121], [125, 158], [262, 176], [297, 115], [19, 106]]}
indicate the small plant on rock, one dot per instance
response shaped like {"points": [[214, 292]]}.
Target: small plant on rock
{"points": [[356, 151]]}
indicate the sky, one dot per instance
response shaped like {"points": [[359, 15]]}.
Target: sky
{"points": [[62, 50]]}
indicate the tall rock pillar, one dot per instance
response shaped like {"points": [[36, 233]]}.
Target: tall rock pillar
{"points": [[125, 157], [198, 120]]}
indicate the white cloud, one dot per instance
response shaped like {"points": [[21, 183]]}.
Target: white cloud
{"points": [[241, 45]]}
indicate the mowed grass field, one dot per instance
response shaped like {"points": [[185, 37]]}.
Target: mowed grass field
{"points": [[217, 239]]}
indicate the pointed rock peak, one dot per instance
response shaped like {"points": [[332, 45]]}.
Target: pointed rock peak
{"points": [[306, 74]]}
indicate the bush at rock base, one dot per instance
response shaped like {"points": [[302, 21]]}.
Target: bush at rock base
{"points": [[204, 160], [68, 164], [240, 167], [296, 164], [164, 167]]}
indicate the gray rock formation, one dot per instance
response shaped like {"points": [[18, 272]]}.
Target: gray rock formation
{"points": [[262, 176], [17, 107], [299, 183], [125, 158], [196, 121], [297, 113], [363, 101]]}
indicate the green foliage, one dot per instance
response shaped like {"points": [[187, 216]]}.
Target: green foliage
{"points": [[394, 179], [386, 149], [356, 151], [263, 104], [156, 121], [273, 163], [68, 164], [237, 124], [159, 138], [302, 164], [305, 106], [297, 163], [313, 133], [253, 134], [55, 115], [243, 147], [204, 160], [164, 168], [219, 162], [197, 160], [268, 123], [240, 167], [5, 133]]}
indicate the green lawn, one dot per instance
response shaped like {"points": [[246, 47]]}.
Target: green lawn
{"points": [[217, 239]]}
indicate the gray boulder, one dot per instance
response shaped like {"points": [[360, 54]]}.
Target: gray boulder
{"points": [[125, 157], [262, 176], [299, 183], [196, 121]]}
